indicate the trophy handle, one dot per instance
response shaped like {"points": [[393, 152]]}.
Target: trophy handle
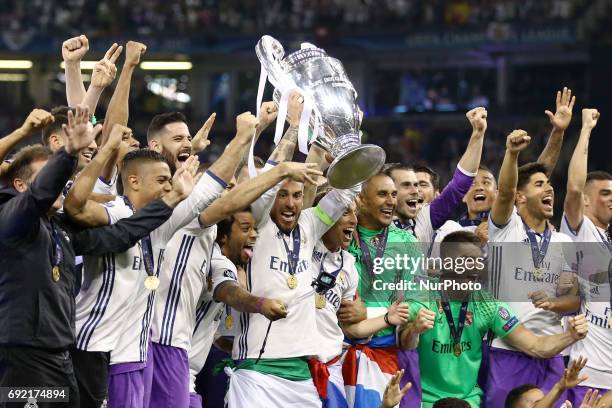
{"points": [[270, 52]]}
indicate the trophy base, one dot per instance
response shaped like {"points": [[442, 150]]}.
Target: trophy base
{"points": [[355, 166]]}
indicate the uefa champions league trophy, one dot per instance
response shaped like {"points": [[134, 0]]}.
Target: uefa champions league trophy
{"points": [[331, 115]]}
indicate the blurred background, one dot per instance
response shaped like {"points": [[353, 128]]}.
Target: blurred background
{"points": [[418, 65]]}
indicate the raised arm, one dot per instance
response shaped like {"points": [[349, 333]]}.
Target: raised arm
{"points": [[316, 155], [245, 193], [200, 141], [73, 51], [444, 206], [577, 172], [103, 75], [286, 147], [571, 378], [501, 211], [118, 107], [37, 120], [21, 212], [559, 121], [548, 346], [78, 204]]}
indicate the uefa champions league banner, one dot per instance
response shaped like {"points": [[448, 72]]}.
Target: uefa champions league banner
{"points": [[30, 41]]}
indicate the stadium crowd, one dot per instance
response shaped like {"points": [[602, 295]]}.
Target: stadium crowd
{"points": [[246, 16], [127, 268]]}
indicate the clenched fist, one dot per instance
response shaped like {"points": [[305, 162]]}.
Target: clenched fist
{"points": [[245, 124], [75, 48], [134, 50], [425, 320], [478, 119], [517, 141], [273, 309], [589, 118], [578, 327], [36, 120]]}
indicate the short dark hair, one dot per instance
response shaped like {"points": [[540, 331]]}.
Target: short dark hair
{"points": [[60, 116], [515, 395], [458, 237], [598, 175], [527, 170], [388, 168], [365, 184], [20, 166], [485, 168], [143, 155], [451, 403], [224, 227], [435, 177], [159, 121]]}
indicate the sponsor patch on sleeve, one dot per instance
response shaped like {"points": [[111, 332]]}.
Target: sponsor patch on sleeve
{"points": [[511, 323], [503, 313], [228, 273]]}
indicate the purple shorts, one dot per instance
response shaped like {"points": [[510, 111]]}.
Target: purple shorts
{"points": [[509, 369], [576, 394], [409, 361], [129, 384], [195, 400], [170, 385]]}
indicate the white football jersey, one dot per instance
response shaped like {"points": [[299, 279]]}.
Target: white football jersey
{"points": [[593, 270], [268, 274], [183, 279], [209, 313], [113, 297], [512, 278], [341, 264], [107, 188]]}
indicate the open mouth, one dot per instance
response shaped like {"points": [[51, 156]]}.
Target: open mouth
{"points": [[348, 234], [248, 250], [548, 202], [88, 154], [287, 216], [182, 156], [412, 204], [388, 212], [480, 197]]}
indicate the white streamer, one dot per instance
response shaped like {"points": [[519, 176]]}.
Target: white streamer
{"points": [[263, 77]]}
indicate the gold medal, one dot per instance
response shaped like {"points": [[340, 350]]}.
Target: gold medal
{"points": [[538, 273], [209, 283], [151, 282], [457, 349], [610, 322], [292, 281], [320, 301], [229, 322], [56, 273]]}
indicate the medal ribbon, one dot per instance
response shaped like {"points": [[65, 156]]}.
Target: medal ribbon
{"points": [[337, 271], [58, 252], [145, 246], [293, 256], [466, 222], [455, 330], [380, 249], [538, 252]]}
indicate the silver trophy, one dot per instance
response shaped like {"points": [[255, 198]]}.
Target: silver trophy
{"points": [[334, 121]]}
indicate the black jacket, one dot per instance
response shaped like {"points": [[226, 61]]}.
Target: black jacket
{"points": [[35, 310]]}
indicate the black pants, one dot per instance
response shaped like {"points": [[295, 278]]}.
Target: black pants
{"points": [[91, 370], [31, 367]]}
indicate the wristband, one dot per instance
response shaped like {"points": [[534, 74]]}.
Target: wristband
{"points": [[387, 319], [259, 304]]}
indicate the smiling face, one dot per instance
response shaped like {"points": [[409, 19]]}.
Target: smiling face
{"points": [[173, 141], [537, 197], [288, 205], [340, 235], [482, 193], [146, 181], [427, 191], [407, 185], [86, 155], [598, 201], [378, 202]]}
